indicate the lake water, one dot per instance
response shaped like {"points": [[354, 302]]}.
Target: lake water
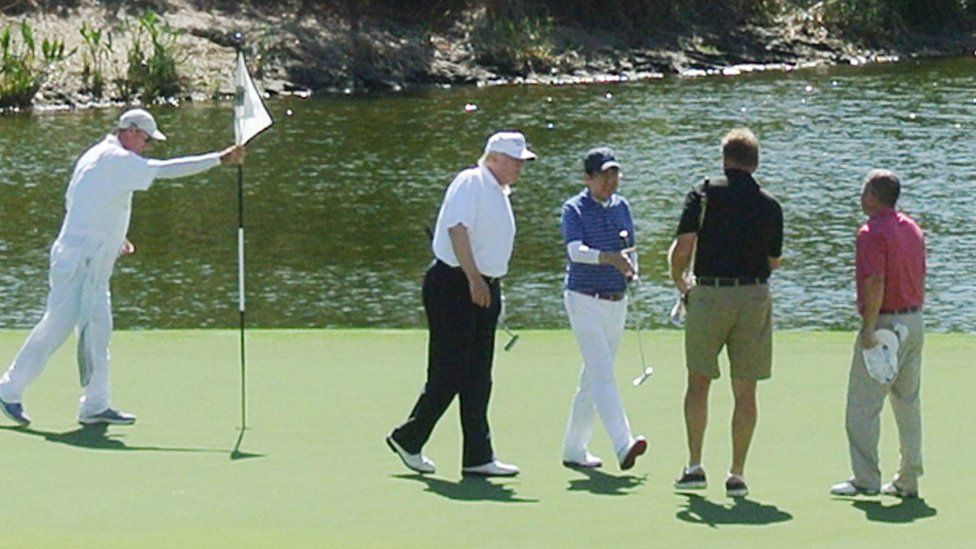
{"points": [[340, 189]]}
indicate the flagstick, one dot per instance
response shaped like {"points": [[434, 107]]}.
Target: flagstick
{"points": [[236, 453], [250, 119], [240, 298]]}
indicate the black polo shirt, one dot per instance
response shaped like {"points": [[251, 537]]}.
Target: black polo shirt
{"points": [[743, 226]]}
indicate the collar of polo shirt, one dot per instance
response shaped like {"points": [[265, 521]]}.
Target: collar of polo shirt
{"points": [[490, 178]]}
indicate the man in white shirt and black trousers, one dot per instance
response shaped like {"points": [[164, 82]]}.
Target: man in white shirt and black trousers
{"points": [[473, 242], [98, 205]]}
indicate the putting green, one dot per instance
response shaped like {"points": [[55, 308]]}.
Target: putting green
{"points": [[320, 475]]}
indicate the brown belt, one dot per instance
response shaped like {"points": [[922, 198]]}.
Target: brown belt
{"points": [[607, 296], [905, 311]]}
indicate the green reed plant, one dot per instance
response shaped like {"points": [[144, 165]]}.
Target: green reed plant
{"points": [[98, 48], [153, 63], [513, 39], [130, 82], [23, 67]]}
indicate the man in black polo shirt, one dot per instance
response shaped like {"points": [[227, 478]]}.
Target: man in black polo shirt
{"points": [[734, 231]]}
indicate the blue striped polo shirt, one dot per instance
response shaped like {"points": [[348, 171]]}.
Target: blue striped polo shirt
{"points": [[599, 227]]}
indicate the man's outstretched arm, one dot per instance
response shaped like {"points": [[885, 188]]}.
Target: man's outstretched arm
{"points": [[191, 165]]}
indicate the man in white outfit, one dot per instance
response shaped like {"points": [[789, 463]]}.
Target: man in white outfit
{"points": [[601, 261], [98, 205]]}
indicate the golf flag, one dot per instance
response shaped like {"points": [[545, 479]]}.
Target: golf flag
{"points": [[250, 116], [250, 119]]}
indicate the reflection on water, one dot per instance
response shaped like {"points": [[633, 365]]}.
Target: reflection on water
{"points": [[338, 194]]}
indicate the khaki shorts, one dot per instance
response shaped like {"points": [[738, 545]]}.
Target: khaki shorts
{"points": [[736, 317]]}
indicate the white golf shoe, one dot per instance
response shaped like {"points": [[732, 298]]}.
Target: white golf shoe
{"points": [[849, 489], [588, 461], [893, 489], [493, 468], [416, 462]]}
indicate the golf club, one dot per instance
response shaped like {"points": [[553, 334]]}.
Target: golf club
{"points": [[503, 321], [646, 370]]}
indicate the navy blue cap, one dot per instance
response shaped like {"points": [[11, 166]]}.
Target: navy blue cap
{"points": [[599, 160]]}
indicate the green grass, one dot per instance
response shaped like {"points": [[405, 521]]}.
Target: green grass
{"points": [[322, 401]]}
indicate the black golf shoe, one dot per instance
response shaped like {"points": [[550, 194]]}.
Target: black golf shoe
{"points": [[691, 479], [735, 487]]}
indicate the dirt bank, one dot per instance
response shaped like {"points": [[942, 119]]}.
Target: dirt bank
{"points": [[299, 48]]}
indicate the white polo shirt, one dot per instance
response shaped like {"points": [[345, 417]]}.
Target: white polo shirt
{"points": [[99, 196], [476, 200]]}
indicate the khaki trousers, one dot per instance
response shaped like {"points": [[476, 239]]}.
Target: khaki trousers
{"points": [[738, 318], [865, 399]]}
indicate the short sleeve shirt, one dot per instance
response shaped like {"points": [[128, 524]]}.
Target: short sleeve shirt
{"points": [[597, 226], [892, 245], [742, 229], [476, 200]]}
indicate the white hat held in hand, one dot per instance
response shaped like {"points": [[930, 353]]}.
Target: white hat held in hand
{"points": [[881, 360]]}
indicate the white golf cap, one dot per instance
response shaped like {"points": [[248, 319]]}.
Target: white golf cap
{"points": [[881, 361], [141, 120], [510, 144]]}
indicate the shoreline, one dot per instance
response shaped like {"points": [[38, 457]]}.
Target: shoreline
{"points": [[234, 332], [60, 103], [314, 53]]}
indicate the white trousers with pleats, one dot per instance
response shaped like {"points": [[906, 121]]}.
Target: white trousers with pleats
{"points": [[598, 326], [79, 300]]}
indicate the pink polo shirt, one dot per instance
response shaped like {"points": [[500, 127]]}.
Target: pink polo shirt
{"points": [[891, 244]]}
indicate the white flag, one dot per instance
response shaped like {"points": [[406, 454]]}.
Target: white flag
{"points": [[250, 116]]}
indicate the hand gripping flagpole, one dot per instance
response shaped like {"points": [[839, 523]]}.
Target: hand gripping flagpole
{"points": [[250, 119]]}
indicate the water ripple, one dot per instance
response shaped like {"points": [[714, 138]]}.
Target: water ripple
{"points": [[339, 193]]}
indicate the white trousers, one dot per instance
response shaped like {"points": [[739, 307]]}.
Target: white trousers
{"points": [[598, 326], [79, 300]]}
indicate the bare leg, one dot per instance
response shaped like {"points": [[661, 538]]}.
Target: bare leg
{"points": [[696, 415], [743, 422]]}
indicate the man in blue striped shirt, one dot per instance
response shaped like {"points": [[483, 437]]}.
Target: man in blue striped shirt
{"points": [[601, 262]]}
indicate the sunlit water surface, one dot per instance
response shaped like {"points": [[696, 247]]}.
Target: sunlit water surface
{"points": [[339, 192]]}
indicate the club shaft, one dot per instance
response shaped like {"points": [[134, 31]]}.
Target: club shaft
{"points": [[640, 344], [624, 242]]}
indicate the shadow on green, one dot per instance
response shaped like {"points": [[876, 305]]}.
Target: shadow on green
{"points": [[598, 482], [907, 510], [469, 488], [96, 437], [237, 453], [699, 510]]}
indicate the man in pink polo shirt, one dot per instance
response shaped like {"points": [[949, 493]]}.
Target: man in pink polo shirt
{"points": [[890, 272]]}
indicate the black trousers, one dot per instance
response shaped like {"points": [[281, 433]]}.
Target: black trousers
{"points": [[459, 355]]}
